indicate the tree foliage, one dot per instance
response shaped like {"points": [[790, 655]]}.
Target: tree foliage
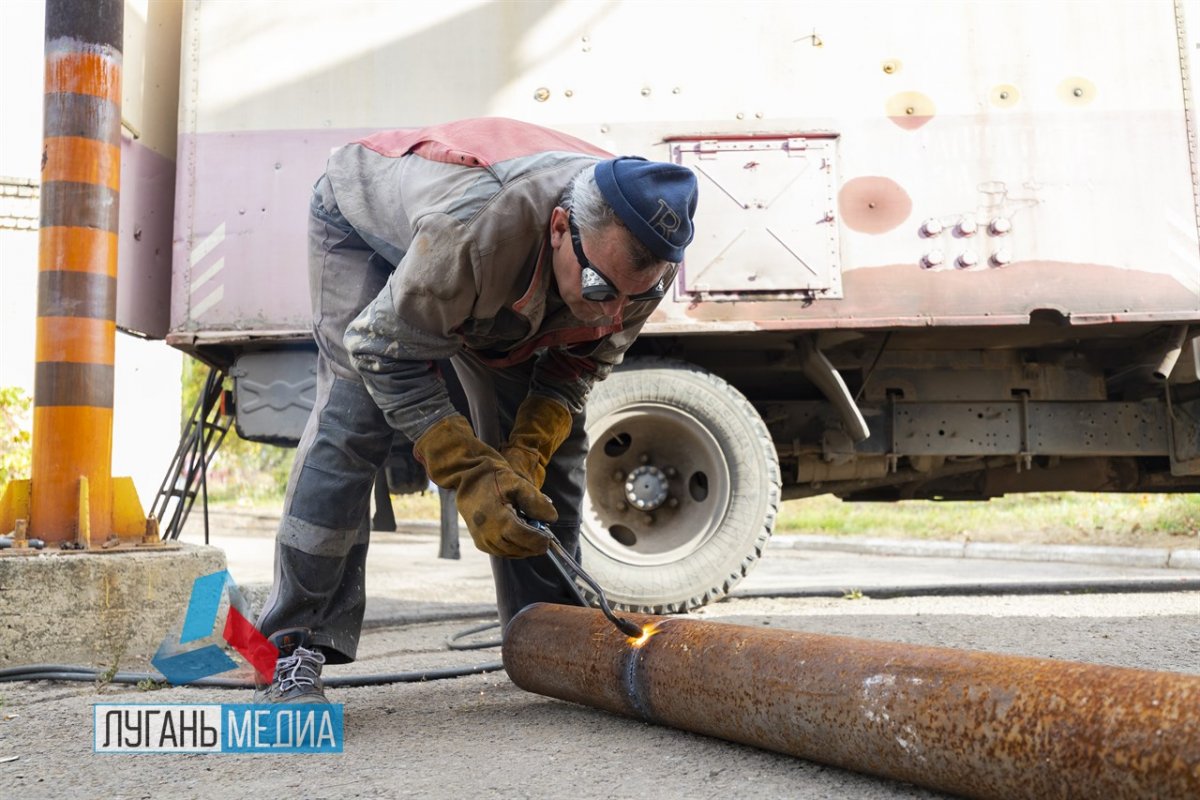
{"points": [[16, 438]]}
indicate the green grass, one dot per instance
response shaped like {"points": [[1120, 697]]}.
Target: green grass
{"points": [[1064, 517]]}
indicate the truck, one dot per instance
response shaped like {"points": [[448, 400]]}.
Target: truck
{"points": [[944, 250]]}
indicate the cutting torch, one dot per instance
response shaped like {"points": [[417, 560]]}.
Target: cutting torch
{"points": [[570, 569]]}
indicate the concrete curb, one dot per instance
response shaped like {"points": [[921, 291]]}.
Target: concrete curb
{"points": [[1153, 557], [1184, 559], [96, 608]]}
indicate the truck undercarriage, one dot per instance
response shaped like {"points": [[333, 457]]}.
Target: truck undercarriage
{"points": [[683, 462]]}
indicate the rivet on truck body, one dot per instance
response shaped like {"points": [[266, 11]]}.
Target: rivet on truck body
{"points": [[933, 258]]}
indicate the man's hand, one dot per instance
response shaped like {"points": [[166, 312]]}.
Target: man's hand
{"points": [[540, 427], [487, 489]]}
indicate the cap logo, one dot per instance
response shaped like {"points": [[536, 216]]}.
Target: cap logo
{"points": [[665, 220]]}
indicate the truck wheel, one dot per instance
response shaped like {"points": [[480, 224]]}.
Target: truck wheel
{"points": [[682, 486]]}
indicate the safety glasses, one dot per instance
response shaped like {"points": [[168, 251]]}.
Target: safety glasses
{"points": [[596, 286]]}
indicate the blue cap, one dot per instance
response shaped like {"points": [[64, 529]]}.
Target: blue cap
{"points": [[654, 199]]}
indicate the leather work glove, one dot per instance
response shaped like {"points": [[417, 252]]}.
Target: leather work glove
{"points": [[541, 426], [487, 489]]}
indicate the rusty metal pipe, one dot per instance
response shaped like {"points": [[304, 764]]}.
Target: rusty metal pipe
{"points": [[975, 724]]}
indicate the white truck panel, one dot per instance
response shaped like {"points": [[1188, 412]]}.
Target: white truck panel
{"points": [[1061, 122]]}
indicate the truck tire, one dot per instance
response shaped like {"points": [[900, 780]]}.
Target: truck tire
{"points": [[682, 486]]}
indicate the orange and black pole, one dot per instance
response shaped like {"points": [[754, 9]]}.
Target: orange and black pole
{"points": [[77, 272]]}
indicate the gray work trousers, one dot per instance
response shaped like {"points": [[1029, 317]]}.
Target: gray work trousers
{"points": [[321, 546]]}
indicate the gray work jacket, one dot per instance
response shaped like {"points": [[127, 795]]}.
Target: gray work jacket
{"points": [[462, 210]]}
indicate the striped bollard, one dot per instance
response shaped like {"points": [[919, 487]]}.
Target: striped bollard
{"points": [[71, 494]]}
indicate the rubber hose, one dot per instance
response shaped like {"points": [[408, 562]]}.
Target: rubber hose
{"points": [[71, 672], [454, 642]]}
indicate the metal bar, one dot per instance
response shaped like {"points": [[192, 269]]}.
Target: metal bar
{"points": [[1170, 356], [77, 261], [816, 368], [976, 724], [1025, 427]]}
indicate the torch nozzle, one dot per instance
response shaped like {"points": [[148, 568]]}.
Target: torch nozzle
{"points": [[627, 627]]}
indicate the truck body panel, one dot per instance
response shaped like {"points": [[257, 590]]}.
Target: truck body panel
{"points": [[944, 249], [949, 164]]}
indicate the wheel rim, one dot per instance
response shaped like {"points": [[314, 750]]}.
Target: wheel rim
{"points": [[658, 484]]}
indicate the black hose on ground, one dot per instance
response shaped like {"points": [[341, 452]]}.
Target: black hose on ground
{"points": [[72, 672], [69, 672], [455, 642]]}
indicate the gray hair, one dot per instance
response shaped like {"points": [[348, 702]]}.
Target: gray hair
{"points": [[592, 213]]}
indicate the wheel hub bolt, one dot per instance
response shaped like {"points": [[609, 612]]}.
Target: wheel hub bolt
{"points": [[646, 488]]}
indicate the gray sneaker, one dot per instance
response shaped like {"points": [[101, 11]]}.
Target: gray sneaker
{"points": [[297, 672]]}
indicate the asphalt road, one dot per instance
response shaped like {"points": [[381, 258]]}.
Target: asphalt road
{"points": [[482, 737]]}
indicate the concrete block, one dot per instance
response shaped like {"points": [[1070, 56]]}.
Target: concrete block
{"points": [[96, 609]]}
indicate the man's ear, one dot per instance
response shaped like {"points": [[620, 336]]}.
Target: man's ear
{"points": [[558, 226]]}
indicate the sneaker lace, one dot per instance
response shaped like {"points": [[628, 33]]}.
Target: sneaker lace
{"points": [[299, 670]]}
